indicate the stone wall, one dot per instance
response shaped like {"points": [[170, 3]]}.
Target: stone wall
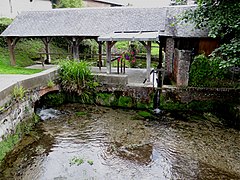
{"points": [[182, 60], [189, 94], [12, 110], [15, 113]]}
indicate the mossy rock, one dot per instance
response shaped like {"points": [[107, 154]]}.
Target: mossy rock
{"points": [[125, 101], [144, 105], [106, 99]]}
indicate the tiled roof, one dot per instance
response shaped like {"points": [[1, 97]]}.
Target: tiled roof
{"points": [[100, 21]]}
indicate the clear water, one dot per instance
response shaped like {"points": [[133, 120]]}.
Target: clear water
{"points": [[105, 143]]}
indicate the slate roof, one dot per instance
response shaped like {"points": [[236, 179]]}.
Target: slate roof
{"points": [[94, 22]]}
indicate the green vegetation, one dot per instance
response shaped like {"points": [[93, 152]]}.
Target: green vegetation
{"points": [[19, 92], [4, 22], [125, 101], [50, 84], [155, 49], [7, 145], [145, 114], [90, 162], [222, 19], [77, 161], [106, 99], [76, 77], [68, 4], [11, 140], [54, 99], [81, 113], [205, 72]]}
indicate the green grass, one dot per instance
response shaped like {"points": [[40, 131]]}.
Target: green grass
{"points": [[155, 49], [25, 52], [7, 145]]}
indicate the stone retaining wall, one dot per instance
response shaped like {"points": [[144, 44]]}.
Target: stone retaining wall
{"points": [[186, 95]]}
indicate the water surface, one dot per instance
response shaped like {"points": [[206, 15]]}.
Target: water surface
{"points": [[91, 142]]}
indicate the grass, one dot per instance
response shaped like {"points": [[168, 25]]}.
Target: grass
{"points": [[6, 68], [25, 52], [155, 49]]}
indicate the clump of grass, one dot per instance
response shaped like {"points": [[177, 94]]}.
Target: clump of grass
{"points": [[50, 84], [76, 77], [19, 92]]}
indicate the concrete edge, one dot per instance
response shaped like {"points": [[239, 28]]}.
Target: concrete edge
{"points": [[30, 82]]}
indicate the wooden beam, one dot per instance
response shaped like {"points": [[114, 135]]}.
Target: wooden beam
{"points": [[11, 45]]}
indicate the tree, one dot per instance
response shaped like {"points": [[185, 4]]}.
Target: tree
{"points": [[67, 3], [221, 17]]}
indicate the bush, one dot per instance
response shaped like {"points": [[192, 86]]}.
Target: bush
{"points": [[76, 77], [205, 72]]}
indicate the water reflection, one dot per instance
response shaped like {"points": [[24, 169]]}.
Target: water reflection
{"points": [[121, 145]]}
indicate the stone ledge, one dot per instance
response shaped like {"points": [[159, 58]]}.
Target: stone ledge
{"points": [[30, 82], [112, 79]]}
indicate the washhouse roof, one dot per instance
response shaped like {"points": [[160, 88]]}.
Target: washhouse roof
{"points": [[94, 22]]}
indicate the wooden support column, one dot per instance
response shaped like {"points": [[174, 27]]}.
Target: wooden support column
{"points": [[11, 45], [46, 42], [100, 54], [148, 61], [109, 56], [75, 47]]}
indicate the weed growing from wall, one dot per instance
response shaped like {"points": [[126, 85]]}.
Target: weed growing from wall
{"points": [[19, 92]]}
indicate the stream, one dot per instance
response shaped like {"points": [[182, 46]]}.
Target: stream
{"points": [[78, 142]]}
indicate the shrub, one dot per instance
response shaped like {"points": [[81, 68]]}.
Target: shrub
{"points": [[205, 72], [76, 77]]}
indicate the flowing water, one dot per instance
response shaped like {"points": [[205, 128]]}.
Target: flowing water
{"points": [[90, 142]]}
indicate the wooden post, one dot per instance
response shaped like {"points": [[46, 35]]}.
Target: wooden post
{"points": [[11, 45], [148, 47], [46, 42], [75, 49], [75, 41], [100, 55], [109, 56]]}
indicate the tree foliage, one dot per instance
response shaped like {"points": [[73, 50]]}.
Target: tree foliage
{"points": [[221, 17], [68, 4]]}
